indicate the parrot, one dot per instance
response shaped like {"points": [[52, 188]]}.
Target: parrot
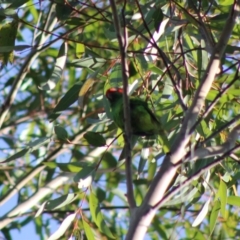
{"points": [[143, 120]]}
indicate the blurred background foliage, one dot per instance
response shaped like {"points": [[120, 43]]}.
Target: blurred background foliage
{"points": [[59, 146]]}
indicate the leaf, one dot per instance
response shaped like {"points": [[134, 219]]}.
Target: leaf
{"points": [[88, 230], [17, 3], [143, 159], [115, 79], [61, 201], [8, 33], [38, 143], [95, 139], [84, 177], [17, 155], [63, 228], [63, 10], [98, 217], [58, 69], [157, 18], [75, 21], [152, 167], [233, 200], [132, 69], [214, 215], [222, 193], [84, 89], [41, 209], [7, 12], [164, 142], [80, 50], [67, 100], [61, 133], [88, 62], [108, 160], [202, 214], [73, 167]]}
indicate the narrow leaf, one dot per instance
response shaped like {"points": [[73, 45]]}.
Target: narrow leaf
{"points": [[88, 230], [157, 18], [202, 214], [67, 100], [61, 201], [98, 217], [63, 228], [58, 69], [223, 196], [84, 89], [8, 33], [17, 155], [214, 215]]}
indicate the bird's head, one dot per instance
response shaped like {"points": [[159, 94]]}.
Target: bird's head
{"points": [[114, 94]]}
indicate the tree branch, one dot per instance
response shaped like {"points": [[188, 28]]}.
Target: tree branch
{"points": [[123, 44]]}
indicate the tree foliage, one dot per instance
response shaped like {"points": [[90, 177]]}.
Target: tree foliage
{"points": [[60, 149]]}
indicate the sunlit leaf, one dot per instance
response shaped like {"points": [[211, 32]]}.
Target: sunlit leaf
{"points": [[98, 217], [63, 228]]}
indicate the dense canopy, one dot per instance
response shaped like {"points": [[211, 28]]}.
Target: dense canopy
{"points": [[60, 170]]}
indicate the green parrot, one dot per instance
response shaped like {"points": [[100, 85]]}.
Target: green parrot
{"points": [[143, 121]]}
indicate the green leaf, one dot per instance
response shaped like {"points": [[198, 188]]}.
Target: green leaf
{"points": [[132, 69], [95, 139], [87, 85], [17, 3], [98, 217], [108, 160], [58, 69], [61, 133], [7, 12], [214, 215], [63, 10], [152, 167], [67, 100], [85, 176], [222, 193], [157, 18], [234, 200], [38, 143], [88, 62], [80, 50], [75, 21], [17, 155], [88, 230], [61, 201], [8, 33], [73, 167]]}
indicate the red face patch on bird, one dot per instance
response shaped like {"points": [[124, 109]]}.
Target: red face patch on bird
{"points": [[112, 91]]}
